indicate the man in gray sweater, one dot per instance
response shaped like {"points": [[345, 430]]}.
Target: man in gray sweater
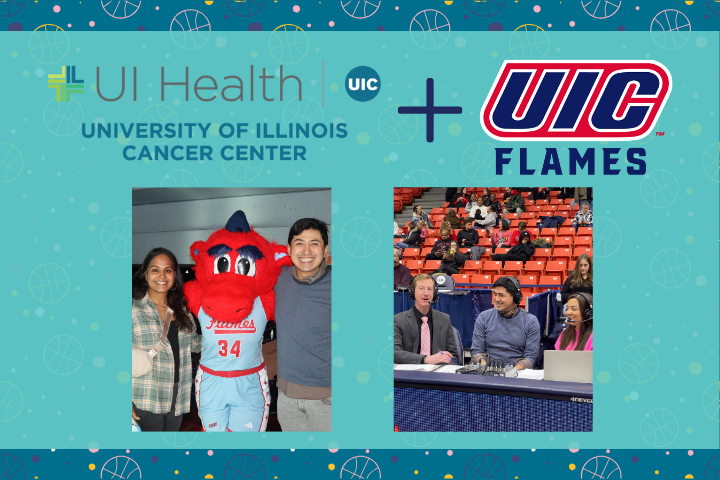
{"points": [[303, 316], [506, 333]]}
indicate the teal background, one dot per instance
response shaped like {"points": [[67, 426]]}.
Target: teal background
{"points": [[68, 211]]}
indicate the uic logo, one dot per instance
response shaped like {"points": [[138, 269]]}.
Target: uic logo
{"points": [[65, 83], [362, 84]]}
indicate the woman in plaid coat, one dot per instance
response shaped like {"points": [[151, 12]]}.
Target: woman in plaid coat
{"points": [[162, 396]]}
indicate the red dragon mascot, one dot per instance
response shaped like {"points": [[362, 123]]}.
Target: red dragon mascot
{"points": [[233, 298]]}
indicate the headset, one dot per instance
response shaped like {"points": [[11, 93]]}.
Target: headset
{"points": [[517, 294], [588, 313], [411, 290]]}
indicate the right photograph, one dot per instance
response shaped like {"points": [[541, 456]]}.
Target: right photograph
{"points": [[493, 309]]}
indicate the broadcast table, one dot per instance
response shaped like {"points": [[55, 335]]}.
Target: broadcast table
{"points": [[449, 402]]}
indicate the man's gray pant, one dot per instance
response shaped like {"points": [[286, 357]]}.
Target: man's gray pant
{"points": [[299, 415]]}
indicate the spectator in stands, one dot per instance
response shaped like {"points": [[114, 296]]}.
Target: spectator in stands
{"points": [[584, 217], [422, 334], [487, 222], [440, 247], [418, 215], [581, 194], [540, 194], [501, 237], [520, 252], [402, 273], [461, 199], [484, 200], [515, 235], [497, 206], [452, 218], [412, 240], [515, 204], [580, 279], [578, 333], [507, 194], [474, 205], [453, 260], [445, 225], [450, 194], [565, 192], [506, 332], [424, 233], [468, 237], [398, 231]]}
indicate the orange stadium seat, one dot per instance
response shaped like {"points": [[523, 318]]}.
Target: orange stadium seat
{"points": [[535, 267], [429, 242], [563, 241], [500, 251], [580, 250], [425, 251], [431, 266], [511, 216], [556, 267], [415, 266], [583, 241], [482, 279], [491, 267], [513, 268], [485, 242], [568, 201], [556, 201], [585, 231], [562, 253], [529, 203], [411, 253], [461, 278], [542, 253], [534, 231], [527, 216], [472, 266], [571, 265], [541, 202], [436, 211], [548, 232], [533, 208], [551, 280], [566, 231]]}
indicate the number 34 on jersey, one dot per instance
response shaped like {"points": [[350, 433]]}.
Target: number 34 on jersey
{"points": [[234, 350]]}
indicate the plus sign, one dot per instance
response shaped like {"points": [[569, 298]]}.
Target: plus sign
{"points": [[430, 110]]}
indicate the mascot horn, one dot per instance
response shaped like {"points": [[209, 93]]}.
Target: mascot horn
{"points": [[233, 298]]}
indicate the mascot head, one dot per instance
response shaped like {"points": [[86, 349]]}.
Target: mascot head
{"points": [[233, 267]]}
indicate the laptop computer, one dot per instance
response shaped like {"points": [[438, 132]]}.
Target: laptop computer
{"points": [[569, 366]]}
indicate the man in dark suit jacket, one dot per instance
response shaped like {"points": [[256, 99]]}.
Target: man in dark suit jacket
{"points": [[409, 328]]}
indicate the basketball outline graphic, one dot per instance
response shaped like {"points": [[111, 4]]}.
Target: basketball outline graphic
{"points": [[405, 120], [107, 237], [357, 5], [418, 439], [17, 170], [10, 460], [65, 357], [710, 162], [226, 164], [163, 113], [663, 195], [597, 466], [659, 272], [37, 36], [276, 37], [249, 3], [124, 10], [183, 436], [387, 374], [600, 242], [244, 473], [121, 475], [36, 274], [6, 403], [426, 179], [647, 427], [65, 118], [370, 244], [422, 32], [605, 9], [197, 28], [492, 460], [311, 117], [517, 36], [489, 3], [710, 397], [663, 16], [361, 475], [633, 363], [483, 163], [179, 178], [11, 3]]}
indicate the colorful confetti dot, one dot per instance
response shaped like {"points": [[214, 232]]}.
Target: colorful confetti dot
{"points": [[154, 459], [331, 466], [92, 24], [572, 466], [91, 466], [657, 471], [536, 9], [35, 458], [634, 459], [274, 458], [210, 452], [296, 8], [450, 452], [393, 459], [416, 472], [691, 453], [56, 8], [176, 472], [332, 24], [572, 24], [515, 458]]}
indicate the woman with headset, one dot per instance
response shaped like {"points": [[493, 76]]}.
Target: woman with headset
{"points": [[578, 334]]}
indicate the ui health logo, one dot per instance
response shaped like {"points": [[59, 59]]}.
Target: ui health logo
{"points": [[362, 84], [575, 100], [65, 84]]}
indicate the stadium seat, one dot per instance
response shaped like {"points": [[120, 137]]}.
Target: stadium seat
{"points": [[564, 254], [541, 202], [473, 266], [556, 267], [563, 208], [550, 208], [534, 231], [529, 203], [566, 231], [527, 280], [554, 193], [534, 267], [528, 216], [562, 214], [568, 201], [411, 253], [491, 268], [431, 266], [563, 241], [461, 278], [485, 242], [525, 195], [547, 232], [416, 192], [436, 211], [547, 238], [482, 279], [415, 266], [445, 205], [580, 250], [511, 216], [585, 231], [551, 280], [571, 265], [500, 251], [425, 251], [533, 208], [513, 268], [556, 201], [432, 233], [514, 223], [430, 241], [583, 241], [545, 253]]}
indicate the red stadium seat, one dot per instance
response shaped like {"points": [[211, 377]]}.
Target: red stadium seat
{"points": [[525, 195], [527, 280], [491, 268], [436, 211], [585, 231], [514, 223], [533, 208], [534, 267], [541, 202], [431, 266], [580, 250], [485, 242], [566, 231], [430, 241], [562, 254], [529, 203], [415, 266], [482, 279], [425, 251], [551, 280], [511, 216], [534, 231], [583, 241], [513, 268], [416, 192], [547, 239], [549, 232], [473, 266], [571, 265], [500, 251], [556, 268], [411, 253], [527, 216], [568, 201], [556, 201], [563, 208], [554, 193], [461, 278], [482, 232], [550, 208], [563, 241], [542, 253]]}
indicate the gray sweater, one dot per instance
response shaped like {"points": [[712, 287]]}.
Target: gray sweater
{"points": [[304, 326], [507, 339]]}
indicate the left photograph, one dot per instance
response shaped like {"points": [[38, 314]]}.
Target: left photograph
{"points": [[220, 278]]}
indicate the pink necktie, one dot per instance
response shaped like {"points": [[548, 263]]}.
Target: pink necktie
{"points": [[425, 337]]}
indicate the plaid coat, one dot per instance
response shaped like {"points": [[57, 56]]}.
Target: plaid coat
{"points": [[153, 391], [580, 217]]}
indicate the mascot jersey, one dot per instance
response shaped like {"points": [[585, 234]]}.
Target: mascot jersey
{"points": [[232, 346]]}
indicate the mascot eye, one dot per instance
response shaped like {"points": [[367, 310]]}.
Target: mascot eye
{"points": [[245, 266], [222, 264]]}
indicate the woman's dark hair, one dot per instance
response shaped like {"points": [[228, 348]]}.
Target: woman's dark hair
{"points": [[309, 224], [504, 225], [492, 195], [585, 329], [175, 296]]}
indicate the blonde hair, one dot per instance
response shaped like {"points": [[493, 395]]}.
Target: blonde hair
{"points": [[422, 224]]}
